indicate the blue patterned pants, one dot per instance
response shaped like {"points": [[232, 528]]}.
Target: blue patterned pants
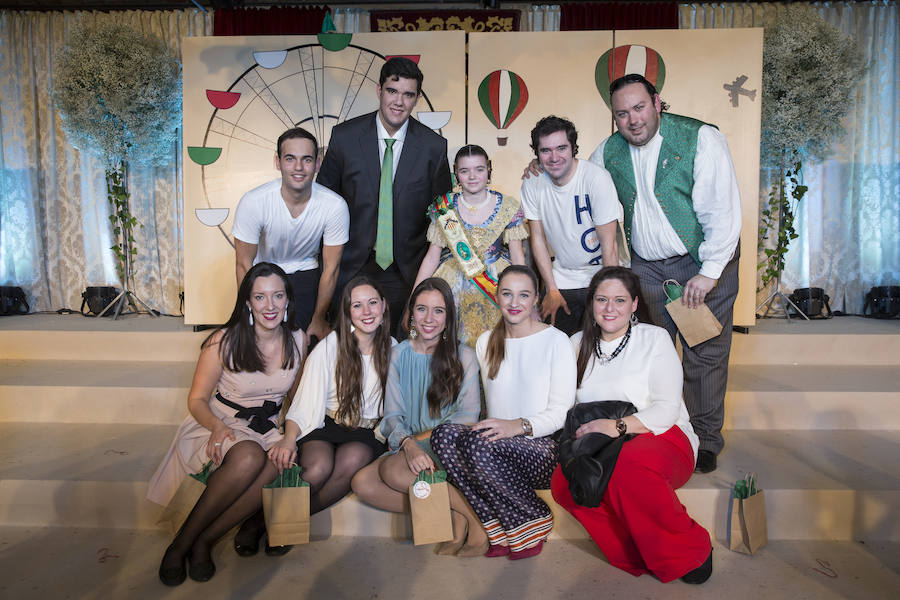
{"points": [[498, 478]]}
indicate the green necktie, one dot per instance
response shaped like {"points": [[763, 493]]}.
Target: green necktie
{"points": [[384, 242]]}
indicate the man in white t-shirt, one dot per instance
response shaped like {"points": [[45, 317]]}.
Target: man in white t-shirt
{"points": [[287, 221], [572, 207]]}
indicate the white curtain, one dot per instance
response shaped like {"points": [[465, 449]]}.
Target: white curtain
{"points": [[537, 17], [351, 20], [849, 221], [55, 235]]}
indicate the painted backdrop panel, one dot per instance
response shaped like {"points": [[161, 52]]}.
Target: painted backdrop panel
{"points": [[241, 93], [561, 74]]}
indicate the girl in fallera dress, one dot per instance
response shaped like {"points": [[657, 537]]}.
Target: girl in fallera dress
{"points": [[246, 368], [528, 373], [640, 525], [493, 227], [433, 379], [338, 406]]}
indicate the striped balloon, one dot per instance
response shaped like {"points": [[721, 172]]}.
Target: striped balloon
{"points": [[502, 95], [625, 60]]}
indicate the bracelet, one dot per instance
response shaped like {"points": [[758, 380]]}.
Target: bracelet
{"points": [[403, 441]]}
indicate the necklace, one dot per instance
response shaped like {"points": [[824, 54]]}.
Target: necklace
{"points": [[472, 208], [603, 359]]}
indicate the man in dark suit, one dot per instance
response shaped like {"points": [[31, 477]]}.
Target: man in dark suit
{"points": [[390, 155]]}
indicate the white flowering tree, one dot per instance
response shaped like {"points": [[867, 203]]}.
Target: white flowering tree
{"points": [[119, 94], [810, 72]]}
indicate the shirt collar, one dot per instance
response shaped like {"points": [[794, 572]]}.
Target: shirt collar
{"points": [[400, 136]]}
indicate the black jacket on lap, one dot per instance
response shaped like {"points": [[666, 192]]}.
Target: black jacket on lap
{"points": [[588, 462]]}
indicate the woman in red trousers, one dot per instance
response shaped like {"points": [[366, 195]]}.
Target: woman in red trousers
{"points": [[640, 525]]}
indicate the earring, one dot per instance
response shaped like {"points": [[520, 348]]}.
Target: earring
{"points": [[251, 318], [634, 319], [413, 334], [444, 335], [285, 315]]}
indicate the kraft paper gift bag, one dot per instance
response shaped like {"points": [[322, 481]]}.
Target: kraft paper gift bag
{"points": [[429, 503], [696, 325], [748, 532], [182, 503], [286, 508]]}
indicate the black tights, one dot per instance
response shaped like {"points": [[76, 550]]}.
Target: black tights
{"points": [[329, 469], [232, 493]]}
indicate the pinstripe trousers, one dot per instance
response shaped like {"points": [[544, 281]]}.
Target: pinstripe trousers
{"points": [[705, 365]]}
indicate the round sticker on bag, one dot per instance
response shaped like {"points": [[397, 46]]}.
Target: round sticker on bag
{"points": [[421, 490]]}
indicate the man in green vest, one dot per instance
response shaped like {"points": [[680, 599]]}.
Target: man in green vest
{"points": [[676, 181]]}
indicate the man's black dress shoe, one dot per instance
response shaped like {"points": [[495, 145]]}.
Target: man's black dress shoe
{"points": [[706, 462], [701, 573]]}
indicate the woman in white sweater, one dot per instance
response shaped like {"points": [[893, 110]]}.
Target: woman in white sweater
{"points": [[640, 525], [528, 373]]}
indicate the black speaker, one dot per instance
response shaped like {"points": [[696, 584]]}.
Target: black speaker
{"points": [[98, 297], [814, 302], [13, 301], [882, 302]]}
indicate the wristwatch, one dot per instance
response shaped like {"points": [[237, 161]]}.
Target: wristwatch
{"points": [[526, 427], [621, 427]]}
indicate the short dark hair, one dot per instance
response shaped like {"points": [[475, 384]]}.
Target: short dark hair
{"points": [[552, 124], [621, 82], [400, 66], [470, 150], [298, 132]]}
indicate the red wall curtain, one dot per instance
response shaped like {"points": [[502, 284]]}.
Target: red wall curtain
{"points": [[579, 16], [269, 21]]}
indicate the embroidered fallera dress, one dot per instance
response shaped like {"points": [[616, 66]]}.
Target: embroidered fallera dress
{"points": [[476, 312]]}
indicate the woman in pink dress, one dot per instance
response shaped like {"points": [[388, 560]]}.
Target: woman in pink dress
{"points": [[245, 370]]}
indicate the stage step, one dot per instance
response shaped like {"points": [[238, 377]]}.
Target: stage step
{"points": [[759, 396], [75, 391], [115, 563], [835, 485], [840, 341]]}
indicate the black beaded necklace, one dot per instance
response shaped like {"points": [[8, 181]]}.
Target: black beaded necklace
{"points": [[603, 359]]}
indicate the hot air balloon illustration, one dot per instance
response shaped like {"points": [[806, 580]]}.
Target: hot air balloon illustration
{"points": [[502, 95], [624, 60]]}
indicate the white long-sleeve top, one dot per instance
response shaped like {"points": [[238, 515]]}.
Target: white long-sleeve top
{"points": [[646, 373], [536, 380], [716, 202], [318, 388]]}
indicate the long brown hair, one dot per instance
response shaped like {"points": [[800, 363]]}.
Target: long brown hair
{"points": [[590, 332], [446, 368], [348, 371], [237, 347], [496, 347]]}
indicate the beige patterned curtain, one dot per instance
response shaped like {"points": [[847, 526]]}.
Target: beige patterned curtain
{"points": [[849, 221], [54, 229]]}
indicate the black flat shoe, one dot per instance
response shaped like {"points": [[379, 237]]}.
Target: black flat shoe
{"points": [[201, 571], [706, 462], [246, 540], [701, 573], [277, 550], [172, 576]]}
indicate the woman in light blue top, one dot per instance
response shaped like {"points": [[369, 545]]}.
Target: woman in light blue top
{"points": [[432, 379]]}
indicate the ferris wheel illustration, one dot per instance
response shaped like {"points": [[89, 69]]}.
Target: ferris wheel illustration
{"points": [[315, 86]]}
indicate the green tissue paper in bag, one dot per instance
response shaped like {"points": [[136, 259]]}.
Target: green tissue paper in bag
{"points": [[182, 503], [286, 508], [749, 530]]}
